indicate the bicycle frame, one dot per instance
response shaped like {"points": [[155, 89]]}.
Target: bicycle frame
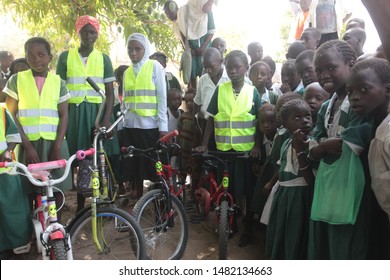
{"points": [[44, 218]]}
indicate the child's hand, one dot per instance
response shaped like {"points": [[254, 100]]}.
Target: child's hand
{"points": [[332, 145], [268, 188], [285, 88], [6, 156], [200, 149], [255, 153], [300, 141], [55, 154], [31, 155]]}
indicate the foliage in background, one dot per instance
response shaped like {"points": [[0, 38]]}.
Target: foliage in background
{"points": [[55, 20]]}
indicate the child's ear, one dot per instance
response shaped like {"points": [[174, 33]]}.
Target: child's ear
{"points": [[351, 63], [387, 93]]}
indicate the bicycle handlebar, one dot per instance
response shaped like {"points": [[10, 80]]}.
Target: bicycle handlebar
{"points": [[93, 84], [167, 137], [46, 166]]}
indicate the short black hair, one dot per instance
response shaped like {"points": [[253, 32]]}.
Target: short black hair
{"points": [[271, 63], [290, 107], [239, 54], [380, 66], [306, 54], [15, 62], [343, 48], [39, 40], [262, 63], [295, 49], [284, 98]]}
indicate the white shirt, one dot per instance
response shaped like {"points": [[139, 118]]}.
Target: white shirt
{"points": [[379, 163], [205, 91]]}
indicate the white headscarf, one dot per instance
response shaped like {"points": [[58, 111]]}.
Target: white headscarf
{"points": [[145, 43]]}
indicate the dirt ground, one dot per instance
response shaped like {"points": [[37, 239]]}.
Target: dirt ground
{"points": [[202, 240]]}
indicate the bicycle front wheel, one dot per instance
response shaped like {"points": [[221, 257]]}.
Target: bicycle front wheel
{"points": [[166, 230], [58, 250], [223, 229], [118, 234]]}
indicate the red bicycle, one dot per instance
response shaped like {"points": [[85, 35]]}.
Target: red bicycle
{"points": [[207, 192]]}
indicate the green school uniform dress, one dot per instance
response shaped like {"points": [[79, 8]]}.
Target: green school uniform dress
{"points": [[288, 227], [330, 239], [15, 220]]}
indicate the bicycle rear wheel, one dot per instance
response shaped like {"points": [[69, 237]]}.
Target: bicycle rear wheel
{"points": [[223, 229], [166, 238], [118, 233]]}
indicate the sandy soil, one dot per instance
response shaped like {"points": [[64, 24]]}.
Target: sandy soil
{"points": [[202, 242]]}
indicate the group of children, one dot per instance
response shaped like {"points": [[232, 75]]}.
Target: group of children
{"points": [[317, 173]]}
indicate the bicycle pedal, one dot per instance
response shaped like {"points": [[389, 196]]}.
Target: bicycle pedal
{"points": [[22, 249], [197, 218], [190, 207]]}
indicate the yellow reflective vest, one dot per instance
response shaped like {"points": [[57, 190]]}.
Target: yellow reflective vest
{"points": [[3, 140], [38, 113], [140, 94], [234, 126], [77, 73]]}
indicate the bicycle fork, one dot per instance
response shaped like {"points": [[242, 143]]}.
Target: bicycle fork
{"points": [[225, 195]]}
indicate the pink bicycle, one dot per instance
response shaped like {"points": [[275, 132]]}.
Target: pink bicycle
{"points": [[52, 238]]}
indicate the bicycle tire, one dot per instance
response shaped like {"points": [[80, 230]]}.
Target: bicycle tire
{"points": [[223, 229], [170, 242], [58, 250], [123, 237]]}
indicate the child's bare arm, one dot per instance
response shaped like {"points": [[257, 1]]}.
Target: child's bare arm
{"points": [[379, 11]]}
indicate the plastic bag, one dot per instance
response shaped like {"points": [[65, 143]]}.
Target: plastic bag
{"points": [[338, 189]]}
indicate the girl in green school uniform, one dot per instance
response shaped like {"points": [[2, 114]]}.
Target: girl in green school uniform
{"points": [[342, 200], [287, 231], [15, 221], [37, 99]]}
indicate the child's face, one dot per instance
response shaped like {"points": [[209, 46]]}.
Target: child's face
{"points": [[366, 92], [255, 52], [219, 45], [331, 70], [314, 98], [212, 65], [236, 69], [136, 51], [189, 99], [260, 75], [290, 76], [305, 69], [268, 123], [88, 36], [309, 41], [38, 57], [299, 118], [21, 66], [174, 101]]}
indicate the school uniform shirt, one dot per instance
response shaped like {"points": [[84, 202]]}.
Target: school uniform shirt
{"points": [[205, 91], [379, 164]]}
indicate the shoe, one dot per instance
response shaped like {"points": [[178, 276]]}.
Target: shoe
{"points": [[245, 239]]}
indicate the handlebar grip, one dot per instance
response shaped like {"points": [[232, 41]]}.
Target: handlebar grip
{"points": [[83, 154], [2, 164], [93, 84], [167, 137], [35, 167], [126, 150]]}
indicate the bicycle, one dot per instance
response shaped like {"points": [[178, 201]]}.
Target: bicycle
{"points": [[102, 230], [52, 238], [217, 195], [159, 212]]}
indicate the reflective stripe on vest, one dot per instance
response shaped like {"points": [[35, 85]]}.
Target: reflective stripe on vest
{"points": [[3, 139], [38, 113], [140, 95], [234, 126], [77, 72]]}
